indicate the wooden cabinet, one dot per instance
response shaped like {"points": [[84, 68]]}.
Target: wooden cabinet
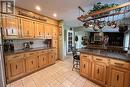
{"points": [[27, 26], [55, 32], [31, 62], [39, 30], [15, 66], [51, 56], [119, 77], [11, 27], [48, 31], [85, 65], [43, 59], [99, 70]]}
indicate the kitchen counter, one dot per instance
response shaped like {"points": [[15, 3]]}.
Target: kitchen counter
{"points": [[103, 53], [27, 50]]}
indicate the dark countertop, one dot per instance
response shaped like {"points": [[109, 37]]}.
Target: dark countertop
{"points": [[113, 55], [27, 50]]}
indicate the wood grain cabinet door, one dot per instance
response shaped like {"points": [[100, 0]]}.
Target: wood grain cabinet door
{"points": [[11, 27], [51, 58], [85, 67], [99, 72], [48, 31], [42, 60], [16, 68], [39, 29], [119, 78], [27, 28], [31, 64]]}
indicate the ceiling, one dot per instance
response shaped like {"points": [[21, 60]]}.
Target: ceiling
{"points": [[66, 10]]}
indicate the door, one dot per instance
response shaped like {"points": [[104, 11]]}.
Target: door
{"points": [[119, 77], [31, 63], [43, 60], [27, 28], [99, 72], [39, 29], [69, 41], [85, 67]]}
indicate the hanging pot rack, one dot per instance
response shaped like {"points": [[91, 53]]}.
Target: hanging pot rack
{"points": [[100, 13]]}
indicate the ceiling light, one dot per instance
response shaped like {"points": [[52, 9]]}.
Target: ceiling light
{"points": [[55, 15], [38, 8]]}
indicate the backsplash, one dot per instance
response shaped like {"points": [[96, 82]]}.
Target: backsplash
{"points": [[19, 44]]}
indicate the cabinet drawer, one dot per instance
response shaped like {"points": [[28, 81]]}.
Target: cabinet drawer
{"points": [[28, 54], [120, 63], [42, 52], [86, 56], [15, 56], [101, 59]]}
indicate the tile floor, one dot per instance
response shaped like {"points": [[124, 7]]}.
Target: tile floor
{"points": [[57, 75]]}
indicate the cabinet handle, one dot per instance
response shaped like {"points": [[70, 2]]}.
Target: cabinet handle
{"points": [[16, 66], [39, 33], [119, 64], [99, 59], [31, 53], [84, 65], [117, 77], [43, 59], [98, 71], [32, 62], [15, 56], [85, 56]]}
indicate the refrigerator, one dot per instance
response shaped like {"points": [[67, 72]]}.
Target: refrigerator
{"points": [[2, 68]]}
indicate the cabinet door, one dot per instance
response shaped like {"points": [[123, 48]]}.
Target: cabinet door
{"points": [[15, 68], [31, 64], [51, 58], [55, 43], [48, 31], [119, 77], [85, 67], [39, 29], [99, 72], [11, 27], [43, 60], [55, 32], [27, 28]]}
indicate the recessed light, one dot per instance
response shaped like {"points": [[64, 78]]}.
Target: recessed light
{"points": [[38, 8], [55, 15]]}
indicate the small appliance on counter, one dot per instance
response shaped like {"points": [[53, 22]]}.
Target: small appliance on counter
{"points": [[27, 45], [8, 45]]}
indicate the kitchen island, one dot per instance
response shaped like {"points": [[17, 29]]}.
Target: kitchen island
{"points": [[109, 69]]}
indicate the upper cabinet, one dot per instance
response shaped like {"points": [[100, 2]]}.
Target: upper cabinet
{"points": [[11, 27], [55, 32], [27, 27], [48, 31], [39, 30]]}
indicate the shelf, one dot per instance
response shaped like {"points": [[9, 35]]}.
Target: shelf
{"points": [[84, 17]]}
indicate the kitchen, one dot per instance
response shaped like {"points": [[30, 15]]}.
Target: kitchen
{"points": [[36, 44]]}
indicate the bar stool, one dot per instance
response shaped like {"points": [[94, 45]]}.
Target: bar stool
{"points": [[76, 59]]}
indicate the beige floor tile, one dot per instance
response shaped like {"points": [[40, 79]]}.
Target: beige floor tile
{"points": [[67, 83]]}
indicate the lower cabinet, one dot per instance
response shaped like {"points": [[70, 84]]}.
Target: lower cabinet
{"points": [[99, 72], [19, 65], [42, 60], [105, 71], [15, 67], [119, 77], [31, 64], [85, 67]]}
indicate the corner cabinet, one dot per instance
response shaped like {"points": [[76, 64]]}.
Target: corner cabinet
{"points": [[85, 65]]}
